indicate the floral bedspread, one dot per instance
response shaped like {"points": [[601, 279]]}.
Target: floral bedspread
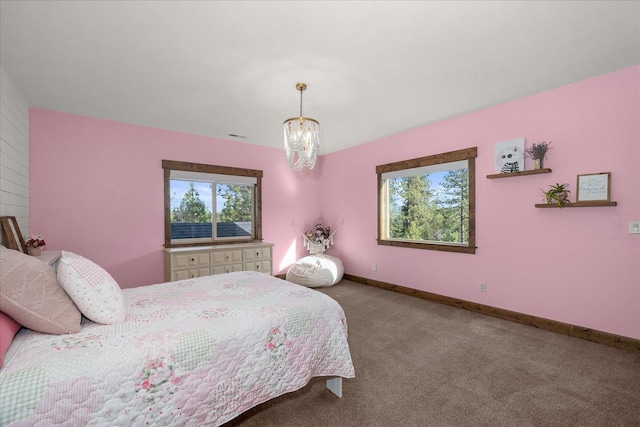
{"points": [[190, 353]]}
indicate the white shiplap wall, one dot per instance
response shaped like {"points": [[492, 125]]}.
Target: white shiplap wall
{"points": [[14, 153]]}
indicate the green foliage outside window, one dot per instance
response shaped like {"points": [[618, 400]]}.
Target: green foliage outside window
{"points": [[191, 209], [238, 202], [419, 212]]}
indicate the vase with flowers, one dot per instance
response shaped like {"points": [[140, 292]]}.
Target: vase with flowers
{"points": [[34, 244], [538, 152]]}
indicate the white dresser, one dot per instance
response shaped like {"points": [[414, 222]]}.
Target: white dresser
{"points": [[185, 263]]}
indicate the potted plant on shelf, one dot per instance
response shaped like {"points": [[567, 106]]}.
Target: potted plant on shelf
{"points": [[34, 245], [557, 194], [538, 152]]}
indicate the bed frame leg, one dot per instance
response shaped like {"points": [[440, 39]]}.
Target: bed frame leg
{"points": [[335, 386]]}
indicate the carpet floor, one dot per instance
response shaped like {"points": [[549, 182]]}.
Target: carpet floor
{"points": [[420, 363]]}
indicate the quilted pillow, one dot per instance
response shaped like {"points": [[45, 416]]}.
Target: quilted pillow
{"points": [[31, 295], [95, 292], [8, 329]]}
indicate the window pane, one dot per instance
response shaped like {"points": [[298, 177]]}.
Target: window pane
{"points": [[234, 207], [191, 207], [431, 207]]}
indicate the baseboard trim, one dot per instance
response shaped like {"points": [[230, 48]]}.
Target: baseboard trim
{"points": [[600, 337]]}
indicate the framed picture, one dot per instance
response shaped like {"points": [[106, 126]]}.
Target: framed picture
{"points": [[594, 186], [510, 156]]}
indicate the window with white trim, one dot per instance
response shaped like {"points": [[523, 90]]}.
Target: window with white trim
{"points": [[428, 202]]}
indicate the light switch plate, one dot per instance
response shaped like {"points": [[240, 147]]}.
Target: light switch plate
{"points": [[634, 227]]}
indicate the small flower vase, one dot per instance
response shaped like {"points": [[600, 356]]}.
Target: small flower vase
{"points": [[537, 163], [35, 251]]}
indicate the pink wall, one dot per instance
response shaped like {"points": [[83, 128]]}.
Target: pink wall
{"points": [[579, 266], [97, 189]]}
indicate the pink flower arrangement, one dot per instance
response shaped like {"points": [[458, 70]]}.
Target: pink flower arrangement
{"points": [[35, 241]]}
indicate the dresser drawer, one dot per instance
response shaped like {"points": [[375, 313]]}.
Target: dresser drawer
{"points": [[261, 266], [190, 274], [229, 268], [196, 259], [226, 257], [257, 253]]}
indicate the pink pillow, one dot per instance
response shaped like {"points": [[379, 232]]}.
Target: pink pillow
{"points": [[8, 329], [95, 292], [31, 295]]}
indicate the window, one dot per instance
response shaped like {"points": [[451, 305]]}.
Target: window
{"points": [[429, 202], [207, 204]]}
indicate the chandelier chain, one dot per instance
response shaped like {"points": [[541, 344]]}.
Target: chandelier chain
{"points": [[301, 102]]}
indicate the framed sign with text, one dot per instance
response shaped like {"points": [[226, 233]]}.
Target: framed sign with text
{"points": [[594, 187]]}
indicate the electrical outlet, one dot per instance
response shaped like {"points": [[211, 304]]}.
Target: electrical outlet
{"points": [[634, 227], [483, 287], [374, 267]]}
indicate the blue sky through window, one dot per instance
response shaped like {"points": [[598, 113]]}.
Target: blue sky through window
{"points": [[179, 189], [435, 184]]}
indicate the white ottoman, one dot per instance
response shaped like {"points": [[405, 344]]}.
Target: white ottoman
{"points": [[316, 271]]}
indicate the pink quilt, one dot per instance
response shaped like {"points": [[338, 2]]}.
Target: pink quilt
{"points": [[194, 352]]}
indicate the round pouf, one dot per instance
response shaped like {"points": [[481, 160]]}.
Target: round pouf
{"points": [[316, 271]]}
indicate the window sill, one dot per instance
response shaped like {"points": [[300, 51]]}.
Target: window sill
{"points": [[213, 243], [459, 248]]}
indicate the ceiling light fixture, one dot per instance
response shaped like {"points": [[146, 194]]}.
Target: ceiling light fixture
{"points": [[301, 138]]}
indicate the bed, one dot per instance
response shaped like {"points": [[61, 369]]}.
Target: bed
{"points": [[196, 352]]}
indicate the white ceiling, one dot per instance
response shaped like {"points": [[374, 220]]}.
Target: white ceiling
{"points": [[373, 68]]}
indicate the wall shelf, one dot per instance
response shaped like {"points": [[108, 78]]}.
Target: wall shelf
{"points": [[578, 204], [510, 174]]}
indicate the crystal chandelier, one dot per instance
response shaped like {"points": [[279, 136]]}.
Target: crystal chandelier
{"points": [[301, 138]]}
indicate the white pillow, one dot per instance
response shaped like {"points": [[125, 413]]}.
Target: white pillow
{"points": [[92, 289]]}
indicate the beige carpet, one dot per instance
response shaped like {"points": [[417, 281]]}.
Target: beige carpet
{"points": [[420, 363]]}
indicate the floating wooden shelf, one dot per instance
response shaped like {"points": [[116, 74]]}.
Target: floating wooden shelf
{"points": [[578, 204], [510, 174]]}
